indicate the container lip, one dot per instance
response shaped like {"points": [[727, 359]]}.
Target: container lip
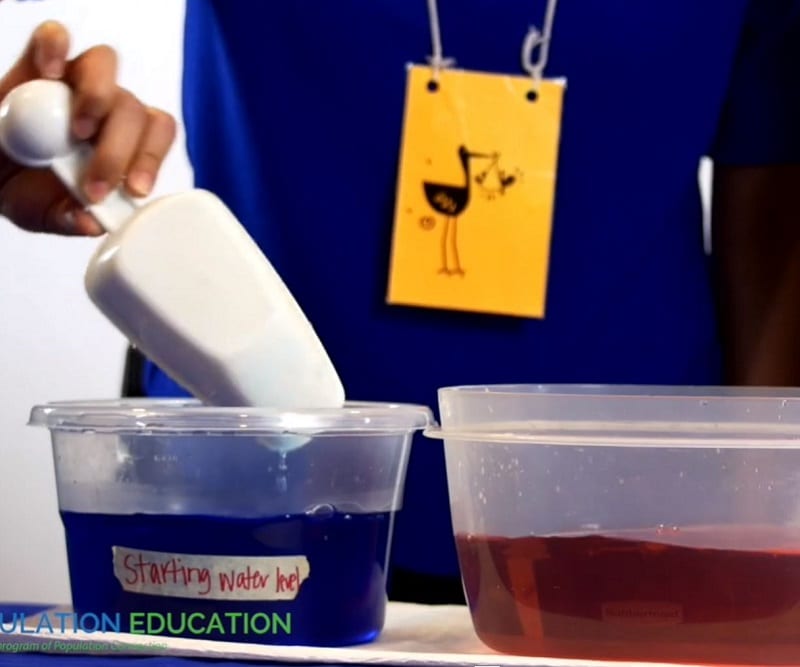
{"points": [[623, 391], [645, 435], [621, 415], [180, 415]]}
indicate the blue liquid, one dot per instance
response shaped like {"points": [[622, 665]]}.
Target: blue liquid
{"points": [[342, 602]]}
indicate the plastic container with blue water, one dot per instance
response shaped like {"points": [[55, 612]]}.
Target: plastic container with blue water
{"points": [[235, 524]]}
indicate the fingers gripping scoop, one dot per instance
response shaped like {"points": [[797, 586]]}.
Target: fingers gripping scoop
{"points": [[181, 277], [35, 132]]}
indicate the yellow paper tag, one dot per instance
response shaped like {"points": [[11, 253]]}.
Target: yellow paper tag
{"points": [[475, 195]]}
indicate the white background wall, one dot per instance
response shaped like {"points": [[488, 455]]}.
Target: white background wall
{"points": [[53, 343]]}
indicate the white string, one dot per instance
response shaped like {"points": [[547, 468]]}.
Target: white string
{"points": [[542, 39], [436, 60], [533, 40]]}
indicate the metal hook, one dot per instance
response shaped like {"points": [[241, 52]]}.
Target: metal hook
{"points": [[540, 39]]}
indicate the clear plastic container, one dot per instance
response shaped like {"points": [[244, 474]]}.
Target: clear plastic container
{"points": [[238, 524], [628, 523]]}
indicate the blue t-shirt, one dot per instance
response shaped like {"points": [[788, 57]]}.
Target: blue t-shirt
{"points": [[293, 113]]}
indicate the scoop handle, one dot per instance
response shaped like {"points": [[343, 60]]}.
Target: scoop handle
{"points": [[35, 132], [113, 210]]}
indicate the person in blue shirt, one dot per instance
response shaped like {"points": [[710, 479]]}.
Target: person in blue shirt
{"points": [[293, 115]]}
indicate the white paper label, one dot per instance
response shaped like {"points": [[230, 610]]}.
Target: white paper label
{"points": [[210, 577]]}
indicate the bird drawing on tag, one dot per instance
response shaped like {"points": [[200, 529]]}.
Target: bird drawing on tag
{"points": [[452, 199]]}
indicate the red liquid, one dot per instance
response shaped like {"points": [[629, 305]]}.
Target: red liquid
{"points": [[702, 594]]}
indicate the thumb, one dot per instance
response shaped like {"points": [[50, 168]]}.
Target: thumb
{"points": [[45, 56]]}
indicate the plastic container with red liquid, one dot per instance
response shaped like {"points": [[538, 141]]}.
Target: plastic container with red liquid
{"points": [[657, 524]]}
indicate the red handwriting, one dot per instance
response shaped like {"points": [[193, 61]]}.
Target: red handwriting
{"points": [[246, 580], [142, 572], [287, 582], [215, 577]]}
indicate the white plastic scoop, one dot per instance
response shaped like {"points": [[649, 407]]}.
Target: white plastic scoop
{"points": [[181, 278]]}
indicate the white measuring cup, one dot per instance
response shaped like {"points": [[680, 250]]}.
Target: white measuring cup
{"points": [[181, 278]]}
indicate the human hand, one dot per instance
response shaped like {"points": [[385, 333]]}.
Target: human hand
{"points": [[130, 139]]}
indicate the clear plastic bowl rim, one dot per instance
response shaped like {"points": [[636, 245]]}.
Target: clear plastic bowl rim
{"points": [[188, 416], [622, 415]]}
